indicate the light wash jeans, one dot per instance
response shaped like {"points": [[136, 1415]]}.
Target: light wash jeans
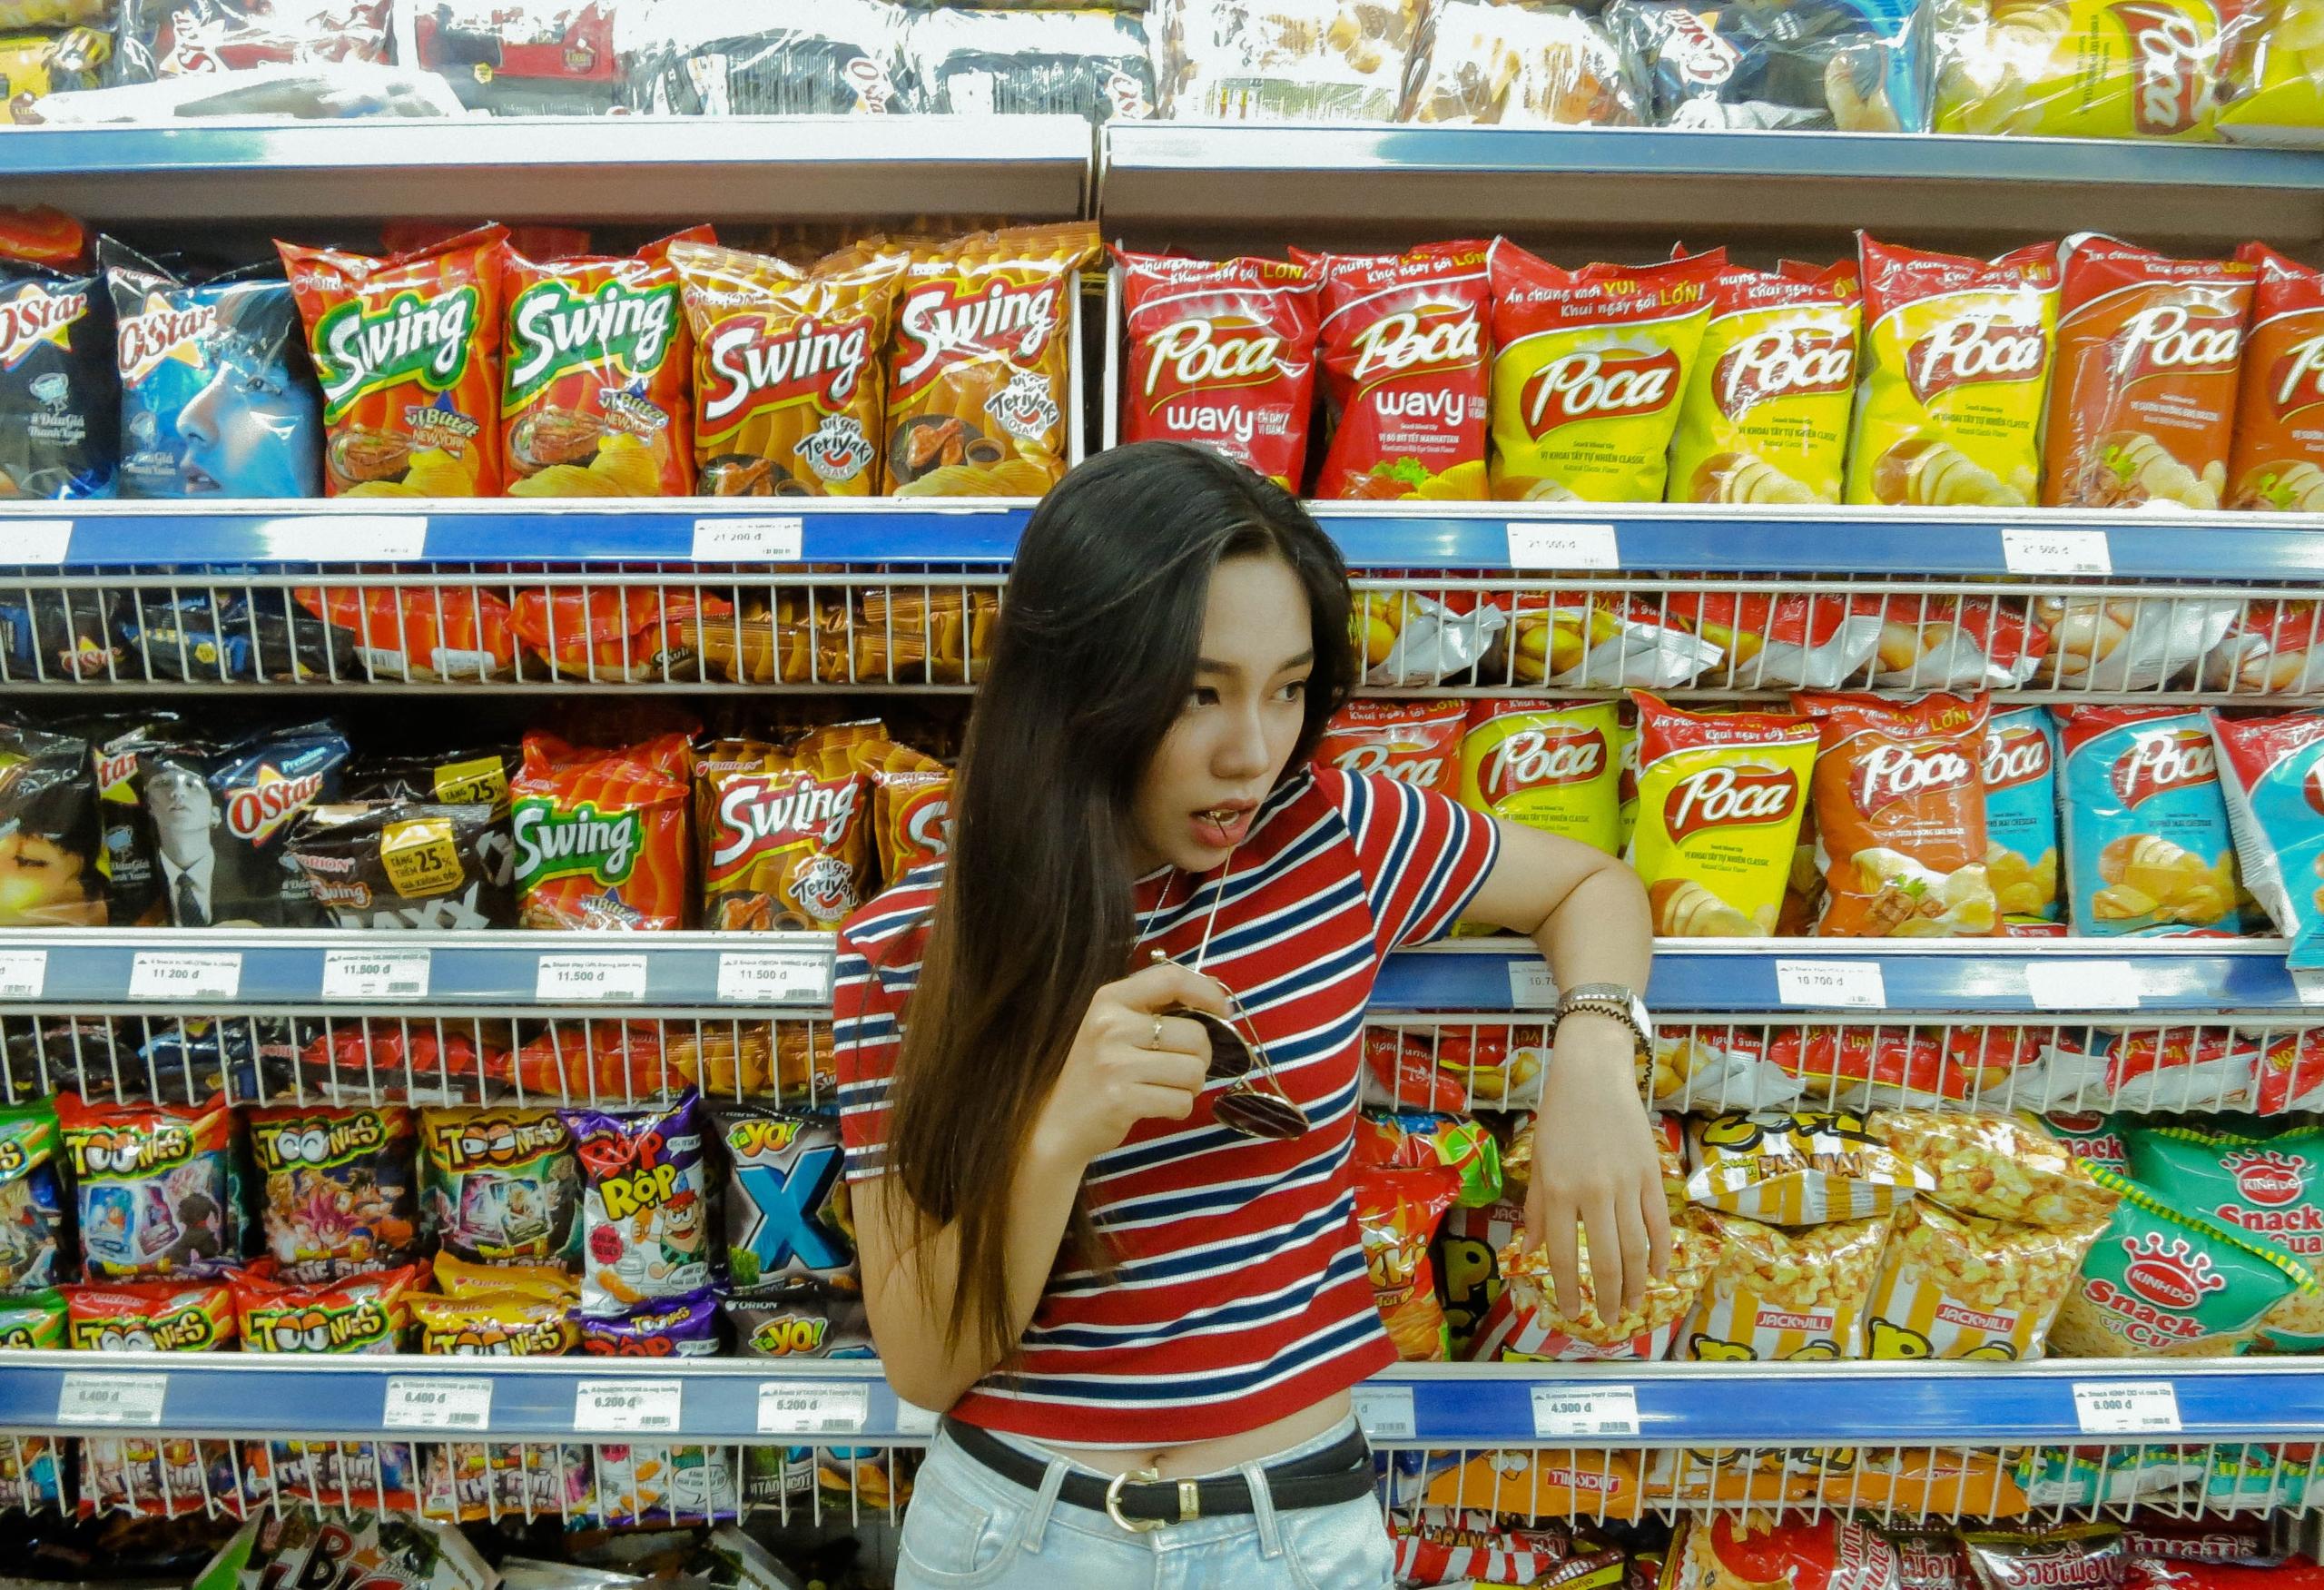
{"points": [[968, 1525]]}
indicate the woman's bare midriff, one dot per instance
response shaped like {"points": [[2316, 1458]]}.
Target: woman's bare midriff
{"points": [[1198, 1457]]}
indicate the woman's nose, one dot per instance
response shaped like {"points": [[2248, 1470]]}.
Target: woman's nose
{"points": [[198, 421], [1243, 753]]}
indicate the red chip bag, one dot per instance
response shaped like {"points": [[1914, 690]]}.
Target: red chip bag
{"points": [[413, 635], [624, 634], [1221, 353], [1731, 1551], [2277, 463], [601, 834], [1397, 1214], [1417, 742]]}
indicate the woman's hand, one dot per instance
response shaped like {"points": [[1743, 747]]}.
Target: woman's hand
{"points": [[1595, 1166], [1130, 1063]]}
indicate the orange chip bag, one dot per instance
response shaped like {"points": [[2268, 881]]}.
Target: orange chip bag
{"points": [[912, 806], [408, 349], [1396, 1213], [1720, 796], [785, 835], [601, 834], [1900, 816], [2278, 459], [979, 378], [1551, 765], [1414, 742], [1766, 415]]}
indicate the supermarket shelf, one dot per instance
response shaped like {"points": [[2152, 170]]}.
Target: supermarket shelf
{"points": [[628, 168]]}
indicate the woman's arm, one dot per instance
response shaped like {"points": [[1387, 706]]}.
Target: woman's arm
{"points": [[1595, 1166]]}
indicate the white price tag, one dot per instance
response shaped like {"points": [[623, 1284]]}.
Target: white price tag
{"points": [[1562, 545], [1584, 1412], [1385, 1412], [639, 1406], [172, 974], [802, 1407], [349, 537], [1530, 986], [23, 974], [375, 974], [1831, 984], [2057, 552], [419, 1404], [111, 1400], [25, 542], [2126, 1407], [912, 1419], [750, 541], [753, 979], [2308, 987], [2081, 985], [590, 977]]}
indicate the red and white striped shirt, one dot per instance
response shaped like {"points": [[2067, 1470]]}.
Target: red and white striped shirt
{"points": [[1239, 1294]]}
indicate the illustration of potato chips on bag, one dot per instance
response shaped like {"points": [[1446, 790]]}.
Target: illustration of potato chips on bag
{"points": [[2149, 352], [594, 397], [1720, 796], [2150, 848], [785, 834], [2278, 462], [1765, 419], [1957, 368], [1588, 368], [2020, 771], [1900, 815], [408, 350], [980, 400], [2078, 68]]}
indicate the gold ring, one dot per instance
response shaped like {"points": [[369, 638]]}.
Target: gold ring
{"points": [[1156, 1041]]}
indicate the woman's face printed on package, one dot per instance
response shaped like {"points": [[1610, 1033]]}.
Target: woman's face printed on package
{"points": [[253, 429]]}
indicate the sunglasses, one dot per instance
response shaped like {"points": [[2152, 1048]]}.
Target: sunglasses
{"points": [[1254, 1102]]}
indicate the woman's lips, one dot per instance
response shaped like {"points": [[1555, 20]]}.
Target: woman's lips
{"points": [[196, 479], [1222, 827]]}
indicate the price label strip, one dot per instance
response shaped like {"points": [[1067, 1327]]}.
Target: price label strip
{"points": [[88, 1399], [590, 979], [174, 975], [1562, 546], [1385, 1412], [756, 979], [628, 1406], [1531, 987], [750, 540], [23, 973], [1831, 984], [416, 1403], [805, 1407], [24, 543], [2081, 985], [912, 1419], [2126, 1407], [2056, 551], [375, 973], [1584, 1412], [349, 537]]}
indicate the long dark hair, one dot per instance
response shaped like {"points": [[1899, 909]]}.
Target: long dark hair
{"points": [[1092, 661]]}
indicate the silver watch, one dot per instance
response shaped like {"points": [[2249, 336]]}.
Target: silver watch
{"points": [[1611, 999]]}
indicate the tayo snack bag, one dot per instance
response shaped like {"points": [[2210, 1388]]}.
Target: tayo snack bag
{"points": [[500, 1187], [35, 1238], [2271, 772], [1551, 765], [408, 349], [1765, 419], [1957, 368], [2020, 768], [337, 1188], [1719, 799], [2077, 68], [1412, 741], [785, 835], [1405, 372], [1588, 368], [157, 1189], [1222, 353], [2149, 848], [594, 399], [786, 1203], [2145, 397], [2278, 462], [645, 1204], [1900, 816], [601, 834], [788, 370], [979, 374]]}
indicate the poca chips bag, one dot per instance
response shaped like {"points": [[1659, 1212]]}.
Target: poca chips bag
{"points": [[2271, 772], [2078, 68], [1223, 354], [1766, 415], [1413, 741], [2020, 771], [1720, 798], [2277, 463], [2148, 845], [1551, 765]]}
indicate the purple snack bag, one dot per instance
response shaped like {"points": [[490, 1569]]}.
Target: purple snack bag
{"points": [[645, 1205], [680, 1328]]}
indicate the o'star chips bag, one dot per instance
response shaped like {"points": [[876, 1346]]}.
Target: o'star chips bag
{"points": [[1720, 796], [2278, 462], [1766, 414], [601, 834], [1222, 353], [1415, 741], [1588, 367], [2271, 772], [1548, 765], [408, 349], [1957, 364], [2148, 842]]}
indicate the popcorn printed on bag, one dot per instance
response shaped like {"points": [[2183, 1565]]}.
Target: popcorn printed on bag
{"points": [[1774, 1294], [2148, 843], [1957, 1286]]}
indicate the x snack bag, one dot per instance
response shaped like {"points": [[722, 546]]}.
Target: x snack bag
{"points": [[2278, 462], [785, 835], [1957, 355], [1589, 369], [1549, 765], [601, 834], [408, 349], [1405, 372], [2148, 841], [2149, 352], [786, 1201], [2271, 772], [1222, 353], [2020, 770], [2270, 1187], [1720, 796], [2078, 68], [1766, 415], [1415, 741], [1900, 816]]}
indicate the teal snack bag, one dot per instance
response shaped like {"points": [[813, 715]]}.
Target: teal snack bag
{"points": [[2268, 1188], [2021, 773]]}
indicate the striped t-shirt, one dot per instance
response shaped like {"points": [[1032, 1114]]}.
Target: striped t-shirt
{"points": [[1239, 1294]]}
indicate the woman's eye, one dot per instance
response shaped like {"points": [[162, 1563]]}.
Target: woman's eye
{"points": [[1294, 690], [1202, 695]]}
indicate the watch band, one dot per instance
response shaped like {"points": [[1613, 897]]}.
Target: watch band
{"points": [[1614, 1000]]}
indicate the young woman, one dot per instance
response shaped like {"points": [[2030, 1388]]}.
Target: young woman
{"points": [[1098, 1072]]}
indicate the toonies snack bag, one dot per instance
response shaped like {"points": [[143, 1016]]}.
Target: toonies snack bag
{"points": [[1549, 765], [1221, 353], [789, 370], [2149, 352], [1588, 367], [980, 389], [157, 1188], [2271, 772], [1719, 798], [1765, 419], [1956, 367], [2278, 462], [2077, 68], [785, 835], [2147, 836], [2020, 771], [601, 834], [499, 1186], [408, 349], [1900, 816], [1405, 372], [1414, 741], [594, 399]]}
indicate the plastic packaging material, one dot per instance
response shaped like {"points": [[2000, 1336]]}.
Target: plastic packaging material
{"points": [[33, 65], [337, 1189], [35, 1247], [2106, 643], [57, 417], [1397, 1214], [664, 1484], [1547, 765], [297, 1546], [360, 1314], [983, 61], [2077, 68], [1765, 419], [2267, 766], [157, 1188], [785, 834], [669, 1327], [1720, 798], [780, 58], [191, 38], [801, 1321], [2020, 773], [324, 92], [787, 1216], [1956, 1286], [220, 817], [530, 58], [1524, 1325], [2148, 847], [1411, 640], [1770, 1294], [1799, 639], [500, 1186], [601, 834], [1502, 63], [1796, 1170], [1856, 65], [1282, 60], [645, 1205], [1416, 742], [2278, 462], [2269, 91], [1946, 643], [402, 865], [1584, 640], [49, 847]]}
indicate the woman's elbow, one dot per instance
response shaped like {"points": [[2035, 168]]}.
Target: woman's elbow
{"points": [[923, 1385]]}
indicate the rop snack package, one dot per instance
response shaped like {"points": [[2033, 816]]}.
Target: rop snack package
{"points": [[601, 834], [2020, 770], [2277, 461], [2145, 397], [645, 1204], [1765, 419], [408, 349], [1957, 355], [2077, 68], [1720, 796], [2268, 774], [2147, 842], [1588, 368], [1549, 765]]}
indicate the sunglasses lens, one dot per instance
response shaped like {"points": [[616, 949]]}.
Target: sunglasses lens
{"points": [[1230, 1052], [1257, 1114]]}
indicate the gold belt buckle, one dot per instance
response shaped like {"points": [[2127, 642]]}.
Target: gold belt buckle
{"points": [[1114, 1500]]}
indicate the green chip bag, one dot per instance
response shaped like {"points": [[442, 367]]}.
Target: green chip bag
{"points": [[2270, 1187], [35, 1320]]}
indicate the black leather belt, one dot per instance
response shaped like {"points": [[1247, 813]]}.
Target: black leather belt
{"points": [[1141, 1500]]}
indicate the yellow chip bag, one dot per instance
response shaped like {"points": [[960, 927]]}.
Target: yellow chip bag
{"points": [[1766, 414], [1772, 1294], [2272, 75], [1796, 1170], [2078, 68], [1720, 796], [1959, 1287], [1548, 765], [1957, 356]]}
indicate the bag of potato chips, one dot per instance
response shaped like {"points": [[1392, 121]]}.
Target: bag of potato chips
{"points": [[2278, 462], [2020, 770], [785, 835], [601, 834], [2078, 68], [2149, 848], [1548, 765], [1957, 1286], [2271, 76], [1719, 801], [1765, 419]]}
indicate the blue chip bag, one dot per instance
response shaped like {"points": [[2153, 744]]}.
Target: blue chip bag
{"points": [[1857, 66], [2021, 769], [2147, 847], [2271, 770]]}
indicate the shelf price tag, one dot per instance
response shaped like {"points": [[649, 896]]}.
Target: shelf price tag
{"points": [[912, 1419], [418, 1403], [1574, 1412], [349, 537], [375, 973], [1831, 984], [753, 979], [2308, 987], [570, 978], [176, 975], [2050, 551], [1385, 1412], [2081, 985], [111, 1400], [1530, 986], [749, 540], [1562, 545], [23, 974], [804, 1408], [2126, 1407], [25, 542], [629, 1407]]}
